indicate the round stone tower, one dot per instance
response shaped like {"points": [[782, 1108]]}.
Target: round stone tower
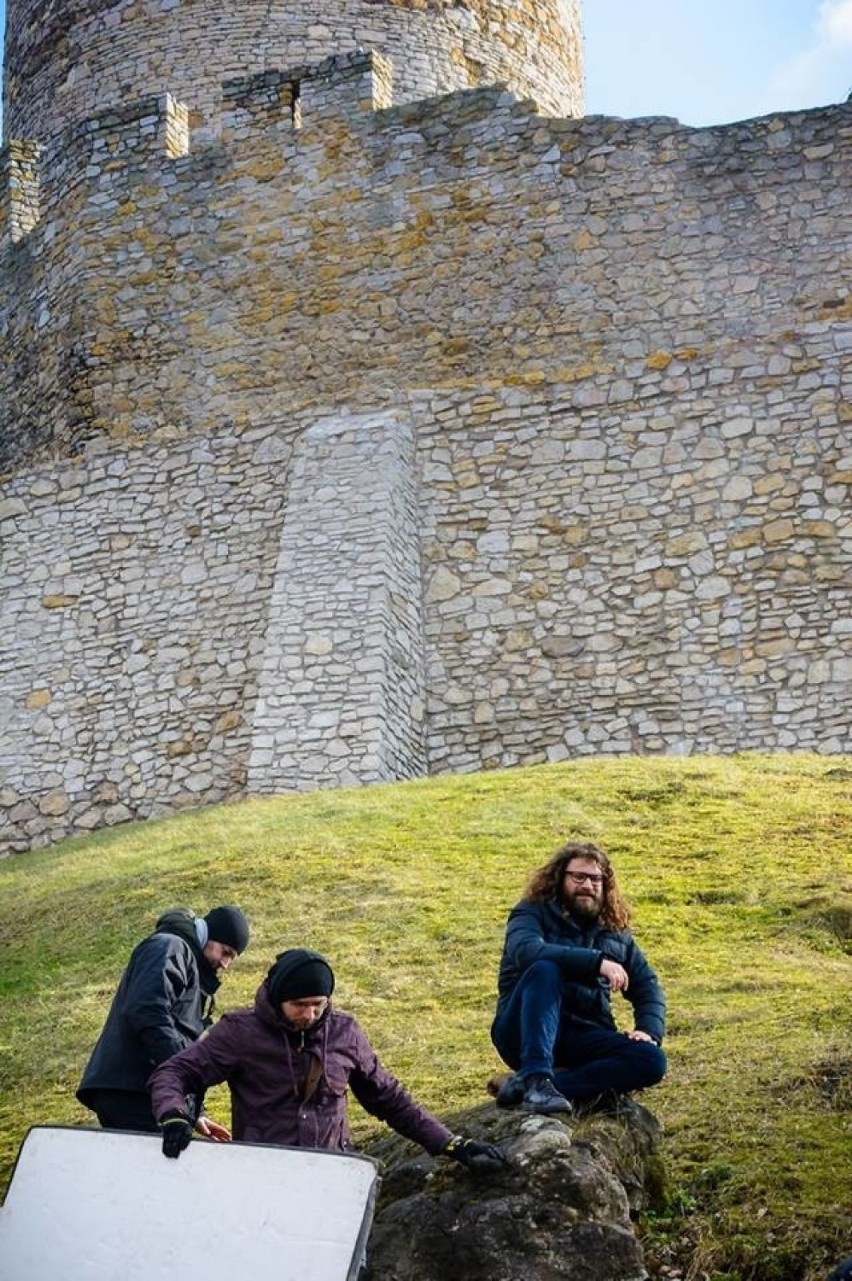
{"points": [[68, 59]]}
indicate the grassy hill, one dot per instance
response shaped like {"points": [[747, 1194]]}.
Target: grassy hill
{"points": [[739, 872]]}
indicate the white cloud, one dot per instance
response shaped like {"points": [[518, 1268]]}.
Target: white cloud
{"points": [[822, 73], [834, 25]]}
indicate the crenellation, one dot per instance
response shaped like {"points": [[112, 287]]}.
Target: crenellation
{"points": [[249, 102], [300, 95], [157, 125], [95, 157], [64, 64], [20, 190], [354, 82]]}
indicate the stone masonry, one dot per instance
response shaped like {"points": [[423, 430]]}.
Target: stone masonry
{"points": [[341, 696], [73, 58], [349, 438]]}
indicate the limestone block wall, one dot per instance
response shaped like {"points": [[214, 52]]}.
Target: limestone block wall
{"points": [[234, 613], [352, 254], [675, 579], [324, 602], [581, 388], [135, 593], [73, 58], [341, 696]]}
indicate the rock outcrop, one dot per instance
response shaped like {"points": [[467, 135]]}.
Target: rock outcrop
{"points": [[561, 1209]]}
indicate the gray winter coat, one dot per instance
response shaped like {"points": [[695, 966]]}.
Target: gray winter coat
{"points": [[163, 1003]]}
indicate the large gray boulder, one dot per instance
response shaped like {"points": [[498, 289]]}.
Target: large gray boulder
{"points": [[559, 1211]]}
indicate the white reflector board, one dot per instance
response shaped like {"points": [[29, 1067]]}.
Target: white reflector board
{"points": [[103, 1205]]}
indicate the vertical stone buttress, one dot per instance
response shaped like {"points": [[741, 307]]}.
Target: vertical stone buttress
{"points": [[71, 58], [340, 695]]}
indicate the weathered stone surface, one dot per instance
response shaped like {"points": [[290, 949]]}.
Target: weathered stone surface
{"points": [[54, 803], [68, 67], [561, 1208]]}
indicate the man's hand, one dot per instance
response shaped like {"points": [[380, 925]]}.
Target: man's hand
{"points": [[615, 975], [474, 1155], [177, 1131], [637, 1035], [210, 1129]]}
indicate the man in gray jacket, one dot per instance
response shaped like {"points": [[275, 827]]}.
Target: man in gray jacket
{"points": [[567, 950], [163, 1003]]}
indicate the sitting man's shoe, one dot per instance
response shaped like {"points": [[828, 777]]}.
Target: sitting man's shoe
{"points": [[541, 1095], [627, 1109], [510, 1091], [611, 1103]]}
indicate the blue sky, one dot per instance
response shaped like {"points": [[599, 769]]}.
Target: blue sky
{"points": [[712, 61]]}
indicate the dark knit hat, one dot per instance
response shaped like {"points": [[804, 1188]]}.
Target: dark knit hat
{"points": [[298, 973], [228, 925]]}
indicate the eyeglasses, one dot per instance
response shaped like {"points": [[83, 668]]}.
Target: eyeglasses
{"points": [[594, 878]]}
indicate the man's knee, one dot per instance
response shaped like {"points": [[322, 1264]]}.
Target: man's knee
{"points": [[649, 1062]]}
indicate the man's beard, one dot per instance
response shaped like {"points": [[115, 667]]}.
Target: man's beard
{"points": [[585, 907]]}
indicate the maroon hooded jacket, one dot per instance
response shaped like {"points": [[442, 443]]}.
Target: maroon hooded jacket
{"points": [[266, 1065]]}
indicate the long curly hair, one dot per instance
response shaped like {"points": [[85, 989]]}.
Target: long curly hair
{"points": [[548, 883]]}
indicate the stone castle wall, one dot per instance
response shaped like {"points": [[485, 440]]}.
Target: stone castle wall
{"points": [[354, 253], [415, 438], [342, 696], [661, 581], [73, 58], [136, 589]]}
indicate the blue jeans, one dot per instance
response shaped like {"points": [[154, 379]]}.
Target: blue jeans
{"points": [[532, 1035]]}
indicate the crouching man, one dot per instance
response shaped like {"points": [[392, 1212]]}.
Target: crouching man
{"points": [[289, 1063], [163, 1003]]}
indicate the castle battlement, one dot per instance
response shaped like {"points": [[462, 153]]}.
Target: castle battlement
{"points": [[69, 62], [104, 148], [352, 433], [37, 179], [154, 126], [309, 104], [305, 95]]}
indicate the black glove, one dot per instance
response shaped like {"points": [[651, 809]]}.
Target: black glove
{"points": [[474, 1155], [177, 1131]]}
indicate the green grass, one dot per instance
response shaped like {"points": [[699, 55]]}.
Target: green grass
{"points": [[740, 875]]}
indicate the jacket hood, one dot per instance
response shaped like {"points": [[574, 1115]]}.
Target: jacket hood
{"points": [[180, 921], [263, 1007]]}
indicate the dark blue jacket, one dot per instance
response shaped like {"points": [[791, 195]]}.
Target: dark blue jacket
{"points": [[543, 932], [163, 1003]]}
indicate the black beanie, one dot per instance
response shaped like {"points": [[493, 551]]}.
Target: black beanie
{"points": [[299, 973], [228, 925]]}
